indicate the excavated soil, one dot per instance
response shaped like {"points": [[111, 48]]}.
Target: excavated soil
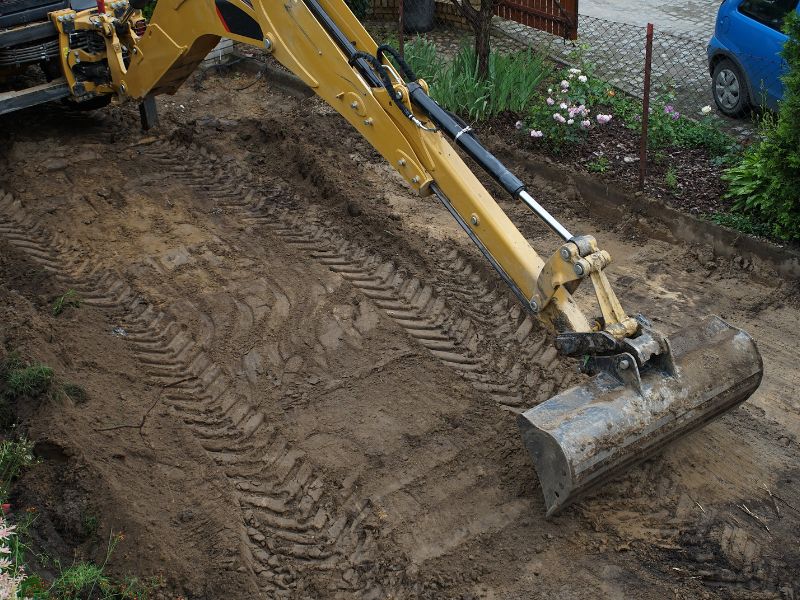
{"points": [[302, 380]]}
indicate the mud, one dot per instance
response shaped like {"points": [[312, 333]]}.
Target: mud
{"points": [[327, 373]]}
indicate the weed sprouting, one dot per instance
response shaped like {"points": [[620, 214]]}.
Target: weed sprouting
{"points": [[671, 179], [14, 456], [75, 392], [69, 299], [600, 165]]}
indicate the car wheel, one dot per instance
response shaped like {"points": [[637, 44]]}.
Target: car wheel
{"points": [[729, 87]]}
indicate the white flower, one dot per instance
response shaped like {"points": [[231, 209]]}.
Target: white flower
{"points": [[550, 102], [536, 134], [549, 90], [583, 78], [603, 119], [705, 110], [518, 124], [571, 122], [563, 106], [559, 117], [575, 71], [564, 84], [586, 124]]}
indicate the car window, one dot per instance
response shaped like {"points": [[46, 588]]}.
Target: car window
{"points": [[769, 12]]}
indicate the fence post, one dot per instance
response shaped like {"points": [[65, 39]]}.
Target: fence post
{"points": [[400, 27], [648, 63]]}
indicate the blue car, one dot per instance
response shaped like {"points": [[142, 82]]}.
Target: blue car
{"points": [[744, 54]]}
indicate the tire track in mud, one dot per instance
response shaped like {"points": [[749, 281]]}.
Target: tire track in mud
{"points": [[286, 525], [524, 371]]}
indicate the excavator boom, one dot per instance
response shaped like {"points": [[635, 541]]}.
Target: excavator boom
{"points": [[647, 389]]}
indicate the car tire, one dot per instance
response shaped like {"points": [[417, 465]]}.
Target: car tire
{"points": [[730, 90]]}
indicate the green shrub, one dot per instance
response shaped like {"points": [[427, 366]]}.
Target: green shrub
{"points": [[359, 8], [765, 184]]}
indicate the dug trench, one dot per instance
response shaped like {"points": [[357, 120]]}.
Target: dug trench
{"points": [[302, 380]]}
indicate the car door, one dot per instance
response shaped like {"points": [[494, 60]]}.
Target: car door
{"points": [[755, 26]]}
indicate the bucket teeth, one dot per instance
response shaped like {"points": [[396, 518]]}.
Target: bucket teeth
{"points": [[586, 435]]}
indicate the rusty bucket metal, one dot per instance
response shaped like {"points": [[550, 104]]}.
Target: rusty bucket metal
{"points": [[584, 436]]}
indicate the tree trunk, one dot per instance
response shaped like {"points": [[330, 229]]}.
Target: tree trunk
{"points": [[481, 21], [482, 36]]}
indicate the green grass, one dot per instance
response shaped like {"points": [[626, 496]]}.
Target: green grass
{"points": [[80, 581], [744, 223], [67, 300], [14, 456], [511, 85], [28, 382]]}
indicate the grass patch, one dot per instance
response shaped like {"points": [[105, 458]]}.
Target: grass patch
{"points": [[14, 456], [69, 299], [28, 382], [75, 393]]}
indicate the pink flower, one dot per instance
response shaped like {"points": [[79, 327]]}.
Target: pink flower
{"points": [[518, 124], [559, 117], [603, 119], [536, 134], [550, 102], [586, 124]]}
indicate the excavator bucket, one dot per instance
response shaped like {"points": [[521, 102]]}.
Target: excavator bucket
{"points": [[586, 435]]}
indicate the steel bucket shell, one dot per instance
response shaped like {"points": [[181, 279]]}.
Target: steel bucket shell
{"points": [[586, 435]]}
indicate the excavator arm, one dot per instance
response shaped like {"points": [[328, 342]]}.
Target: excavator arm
{"points": [[646, 390]]}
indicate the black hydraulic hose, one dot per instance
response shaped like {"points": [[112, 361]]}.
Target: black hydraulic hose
{"points": [[460, 135]]}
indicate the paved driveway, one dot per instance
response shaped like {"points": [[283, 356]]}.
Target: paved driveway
{"points": [[686, 17]]}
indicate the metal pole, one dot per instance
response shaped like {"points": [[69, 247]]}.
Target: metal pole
{"points": [[400, 27], [648, 63]]}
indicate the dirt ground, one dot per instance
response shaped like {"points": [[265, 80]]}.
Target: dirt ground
{"points": [[302, 380]]}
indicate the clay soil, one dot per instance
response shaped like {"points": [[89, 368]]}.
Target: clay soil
{"points": [[302, 380]]}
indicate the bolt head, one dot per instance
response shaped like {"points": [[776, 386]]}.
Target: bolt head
{"points": [[534, 306], [398, 95], [402, 162], [565, 254], [624, 364], [475, 219], [354, 104], [415, 179], [579, 270]]}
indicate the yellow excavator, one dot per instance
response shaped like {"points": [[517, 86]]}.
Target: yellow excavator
{"points": [[646, 389]]}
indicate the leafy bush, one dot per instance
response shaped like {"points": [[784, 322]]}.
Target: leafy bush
{"points": [[510, 86], [564, 113], [14, 456], [359, 8], [668, 127], [766, 183]]}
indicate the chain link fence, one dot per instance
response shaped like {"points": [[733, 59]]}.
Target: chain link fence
{"points": [[615, 51]]}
